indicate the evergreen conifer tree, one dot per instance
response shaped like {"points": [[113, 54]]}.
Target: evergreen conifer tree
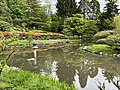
{"points": [[66, 8], [4, 12], [95, 9], [84, 8]]}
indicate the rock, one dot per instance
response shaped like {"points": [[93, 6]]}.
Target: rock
{"points": [[106, 54], [118, 55], [35, 43], [115, 55], [85, 48], [100, 53]]}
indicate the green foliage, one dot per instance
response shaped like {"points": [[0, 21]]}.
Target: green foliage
{"points": [[95, 9], [56, 23], [98, 47], [90, 28], [4, 12], [89, 9], [4, 85], [4, 26], [111, 8], [102, 34], [101, 41], [66, 8], [114, 41], [105, 49], [117, 24], [105, 22], [76, 25], [24, 80]]}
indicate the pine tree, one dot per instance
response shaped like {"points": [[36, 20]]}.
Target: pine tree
{"points": [[95, 9], [84, 8], [17, 8], [66, 8], [4, 11], [111, 8]]}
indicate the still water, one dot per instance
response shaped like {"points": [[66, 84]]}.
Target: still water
{"points": [[72, 65]]}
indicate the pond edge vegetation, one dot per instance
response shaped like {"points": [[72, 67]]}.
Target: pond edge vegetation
{"points": [[24, 80]]}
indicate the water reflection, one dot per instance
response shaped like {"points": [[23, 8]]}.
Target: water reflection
{"points": [[72, 65]]}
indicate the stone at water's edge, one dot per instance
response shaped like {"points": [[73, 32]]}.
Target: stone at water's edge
{"points": [[35, 43]]}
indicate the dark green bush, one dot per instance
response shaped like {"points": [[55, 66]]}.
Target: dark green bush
{"points": [[114, 41], [4, 26]]}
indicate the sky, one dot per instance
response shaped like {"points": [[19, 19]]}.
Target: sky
{"points": [[102, 4]]}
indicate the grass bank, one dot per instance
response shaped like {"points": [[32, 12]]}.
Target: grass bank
{"points": [[106, 49], [27, 42], [24, 80]]}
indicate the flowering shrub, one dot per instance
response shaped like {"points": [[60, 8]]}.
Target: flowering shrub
{"points": [[7, 34], [24, 34], [46, 35]]}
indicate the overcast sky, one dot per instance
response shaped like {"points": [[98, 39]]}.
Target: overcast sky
{"points": [[102, 4]]}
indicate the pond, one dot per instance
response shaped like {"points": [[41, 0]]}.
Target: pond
{"points": [[72, 65]]}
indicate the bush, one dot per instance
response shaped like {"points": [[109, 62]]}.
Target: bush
{"points": [[7, 34], [117, 24], [102, 34], [101, 41], [4, 26], [76, 25], [114, 41], [89, 30]]}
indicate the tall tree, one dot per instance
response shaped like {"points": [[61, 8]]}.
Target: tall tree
{"points": [[4, 11], [106, 19], [66, 7], [17, 8], [111, 8], [84, 8], [35, 14], [95, 9]]}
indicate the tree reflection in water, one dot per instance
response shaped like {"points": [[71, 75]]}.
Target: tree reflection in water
{"points": [[112, 78]]}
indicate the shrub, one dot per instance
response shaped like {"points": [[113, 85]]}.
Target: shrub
{"points": [[7, 34], [4, 26], [89, 30], [117, 24], [114, 41], [102, 34], [17, 28], [101, 41], [23, 35]]}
